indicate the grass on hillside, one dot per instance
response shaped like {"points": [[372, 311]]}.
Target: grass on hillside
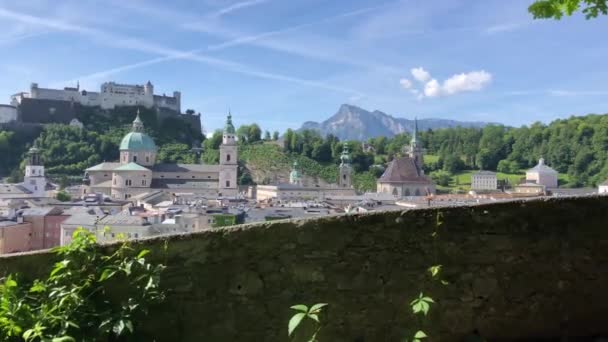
{"points": [[272, 159]]}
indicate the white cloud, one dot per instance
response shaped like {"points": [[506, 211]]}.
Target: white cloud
{"points": [[459, 83], [472, 81], [432, 88], [420, 74], [405, 83]]}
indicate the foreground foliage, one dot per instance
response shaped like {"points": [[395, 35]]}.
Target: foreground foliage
{"points": [[87, 296], [556, 9]]}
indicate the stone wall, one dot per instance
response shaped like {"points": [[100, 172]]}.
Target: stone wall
{"points": [[518, 270]]}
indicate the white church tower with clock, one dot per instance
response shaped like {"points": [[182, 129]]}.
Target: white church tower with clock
{"points": [[228, 160], [35, 180]]}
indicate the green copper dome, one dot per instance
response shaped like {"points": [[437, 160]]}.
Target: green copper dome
{"points": [[229, 126], [137, 141], [345, 157]]}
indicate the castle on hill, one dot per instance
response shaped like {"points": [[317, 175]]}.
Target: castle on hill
{"points": [[137, 173], [110, 96]]}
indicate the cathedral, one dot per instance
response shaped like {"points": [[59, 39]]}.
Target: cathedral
{"points": [[404, 176], [137, 172]]}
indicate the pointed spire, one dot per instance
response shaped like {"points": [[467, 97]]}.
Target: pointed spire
{"points": [[345, 157], [415, 133], [138, 124], [229, 126]]}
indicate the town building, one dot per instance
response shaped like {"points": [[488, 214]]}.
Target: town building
{"points": [[35, 183], [297, 190], [530, 188], [484, 181], [15, 236], [542, 174], [110, 96], [137, 172], [404, 176], [603, 188], [46, 226]]}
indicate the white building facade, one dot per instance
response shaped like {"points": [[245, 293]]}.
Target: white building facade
{"points": [[542, 174], [484, 180], [8, 113], [110, 96], [603, 188]]}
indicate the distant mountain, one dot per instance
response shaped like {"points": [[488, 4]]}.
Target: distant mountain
{"points": [[354, 123]]}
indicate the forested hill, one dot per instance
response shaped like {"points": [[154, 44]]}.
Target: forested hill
{"points": [[68, 150], [576, 147]]}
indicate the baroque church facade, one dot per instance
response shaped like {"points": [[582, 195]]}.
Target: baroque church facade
{"points": [[404, 176], [137, 172]]}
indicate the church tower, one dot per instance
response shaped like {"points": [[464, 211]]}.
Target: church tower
{"points": [[295, 177], [228, 159], [345, 169], [415, 149], [34, 179]]}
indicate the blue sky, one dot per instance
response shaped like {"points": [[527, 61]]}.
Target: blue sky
{"points": [[282, 62]]}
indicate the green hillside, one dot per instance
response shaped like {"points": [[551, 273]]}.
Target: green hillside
{"points": [[266, 161]]}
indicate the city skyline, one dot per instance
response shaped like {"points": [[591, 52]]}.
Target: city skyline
{"points": [[454, 60]]}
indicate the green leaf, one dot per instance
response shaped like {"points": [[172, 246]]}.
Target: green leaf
{"points": [[300, 307], [434, 270], [143, 253], [294, 322], [63, 339], [444, 282], [107, 274], [317, 308], [428, 299], [314, 317], [420, 334]]}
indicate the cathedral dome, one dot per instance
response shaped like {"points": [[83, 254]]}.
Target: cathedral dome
{"points": [[137, 141]]}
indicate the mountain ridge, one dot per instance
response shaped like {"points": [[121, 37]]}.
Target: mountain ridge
{"points": [[354, 123]]}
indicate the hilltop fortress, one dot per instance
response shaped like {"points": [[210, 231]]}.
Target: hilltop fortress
{"points": [[111, 95], [46, 105]]}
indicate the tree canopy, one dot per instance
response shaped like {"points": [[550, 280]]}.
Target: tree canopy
{"points": [[556, 9]]}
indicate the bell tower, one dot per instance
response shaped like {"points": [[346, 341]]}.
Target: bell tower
{"points": [[228, 159], [35, 180], [345, 169], [415, 149]]}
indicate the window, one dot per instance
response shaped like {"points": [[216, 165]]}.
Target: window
{"points": [[124, 158], [147, 159], [227, 184], [128, 182], [136, 235], [135, 159], [143, 182], [227, 157]]}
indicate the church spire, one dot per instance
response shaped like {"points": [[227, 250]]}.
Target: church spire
{"points": [[414, 140], [345, 157], [229, 126], [138, 125]]}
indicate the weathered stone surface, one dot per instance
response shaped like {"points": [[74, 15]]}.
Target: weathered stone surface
{"points": [[519, 270]]}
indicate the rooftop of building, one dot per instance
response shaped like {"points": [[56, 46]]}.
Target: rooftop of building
{"points": [[403, 170], [484, 173]]}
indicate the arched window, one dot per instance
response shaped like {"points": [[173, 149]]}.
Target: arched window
{"points": [[417, 192], [407, 192], [227, 183], [394, 191], [147, 159], [135, 159], [227, 157]]}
